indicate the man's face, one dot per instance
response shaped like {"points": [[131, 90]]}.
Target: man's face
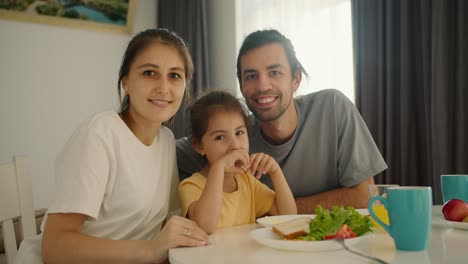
{"points": [[266, 81]]}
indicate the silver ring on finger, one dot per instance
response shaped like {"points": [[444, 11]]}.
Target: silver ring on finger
{"points": [[187, 231]]}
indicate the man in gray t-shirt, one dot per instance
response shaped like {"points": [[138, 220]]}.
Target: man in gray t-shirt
{"points": [[320, 140]]}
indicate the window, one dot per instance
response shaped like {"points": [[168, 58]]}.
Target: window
{"points": [[321, 32]]}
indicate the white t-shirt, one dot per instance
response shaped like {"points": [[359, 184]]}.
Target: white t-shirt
{"points": [[124, 187]]}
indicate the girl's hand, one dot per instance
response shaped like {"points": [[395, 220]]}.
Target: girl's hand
{"points": [[237, 160], [262, 163], [177, 232]]}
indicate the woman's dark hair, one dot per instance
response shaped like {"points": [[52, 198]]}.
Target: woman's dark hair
{"points": [[264, 37], [201, 110], [138, 44]]}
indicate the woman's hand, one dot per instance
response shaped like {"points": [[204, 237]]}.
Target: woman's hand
{"points": [[177, 232], [262, 163], [180, 231]]}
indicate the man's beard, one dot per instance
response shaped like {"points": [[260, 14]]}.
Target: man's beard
{"points": [[268, 117]]}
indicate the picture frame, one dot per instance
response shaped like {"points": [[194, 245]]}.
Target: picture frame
{"points": [[101, 15]]}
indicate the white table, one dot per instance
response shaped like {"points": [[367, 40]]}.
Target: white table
{"points": [[233, 245]]}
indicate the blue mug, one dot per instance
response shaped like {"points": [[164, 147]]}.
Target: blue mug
{"points": [[454, 186], [410, 216]]}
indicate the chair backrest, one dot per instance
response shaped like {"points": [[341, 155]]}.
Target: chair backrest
{"points": [[15, 202]]}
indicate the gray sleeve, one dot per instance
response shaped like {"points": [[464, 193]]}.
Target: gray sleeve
{"points": [[188, 160], [358, 156]]}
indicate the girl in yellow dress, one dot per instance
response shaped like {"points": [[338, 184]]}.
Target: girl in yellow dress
{"points": [[225, 193]]}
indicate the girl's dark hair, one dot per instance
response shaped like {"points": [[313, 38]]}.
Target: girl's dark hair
{"points": [[201, 110], [265, 37], [138, 43]]}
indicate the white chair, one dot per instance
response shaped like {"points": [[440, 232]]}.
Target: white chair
{"points": [[16, 202]]}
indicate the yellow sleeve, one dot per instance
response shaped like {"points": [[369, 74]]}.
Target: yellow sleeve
{"points": [[190, 191], [264, 196]]}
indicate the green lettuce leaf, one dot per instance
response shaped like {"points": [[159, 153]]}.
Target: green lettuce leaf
{"points": [[327, 223]]}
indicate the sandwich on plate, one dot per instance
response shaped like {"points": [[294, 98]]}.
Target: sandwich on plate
{"points": [[339, 222]]}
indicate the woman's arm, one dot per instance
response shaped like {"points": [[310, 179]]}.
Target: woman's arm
{"points": [[63, 242]]}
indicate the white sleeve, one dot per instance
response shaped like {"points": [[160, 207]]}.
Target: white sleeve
{"points": [[81, 174], [174, 199]]}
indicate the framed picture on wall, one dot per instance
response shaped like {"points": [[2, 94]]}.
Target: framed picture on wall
{"points": [[102, 15]]}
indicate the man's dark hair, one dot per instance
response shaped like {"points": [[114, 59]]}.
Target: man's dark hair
{"points": [[264, 37]]}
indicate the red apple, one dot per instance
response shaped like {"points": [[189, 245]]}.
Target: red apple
{"points": [[455, 210]]}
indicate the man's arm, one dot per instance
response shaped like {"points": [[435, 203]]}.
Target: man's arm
{"points": [[356, 196]]}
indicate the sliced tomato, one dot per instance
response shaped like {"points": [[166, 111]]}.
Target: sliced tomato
{"points": [[344, 232]]}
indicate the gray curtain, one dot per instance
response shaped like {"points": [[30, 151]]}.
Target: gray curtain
{"points": [[189, 19], [411, 86]]}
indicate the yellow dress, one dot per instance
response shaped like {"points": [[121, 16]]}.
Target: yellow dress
{"points": [[251, 200]]}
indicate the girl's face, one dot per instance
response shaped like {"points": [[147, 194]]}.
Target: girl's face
{"points": [[226, 131], [155, 84]]}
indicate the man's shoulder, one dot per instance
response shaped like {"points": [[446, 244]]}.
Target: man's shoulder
{"points": [[185, 151], [322, 95], [184, 147], [188, 160], [324, 101], [183, 143]]}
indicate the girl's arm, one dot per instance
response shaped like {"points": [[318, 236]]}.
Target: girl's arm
{"points": [[63, 242], [207, 210], [284, 202]]}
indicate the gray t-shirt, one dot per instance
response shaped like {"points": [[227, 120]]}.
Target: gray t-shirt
{"points": [[331, 147]]}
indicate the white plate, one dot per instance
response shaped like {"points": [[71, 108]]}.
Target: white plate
{"points": [[267, 237], [268, 221], [457, 225]]}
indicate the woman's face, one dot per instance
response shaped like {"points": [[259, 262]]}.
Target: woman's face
{"points": [[155, 84]]}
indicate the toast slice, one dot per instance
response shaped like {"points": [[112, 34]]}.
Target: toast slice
{"points": [[293, 228]]}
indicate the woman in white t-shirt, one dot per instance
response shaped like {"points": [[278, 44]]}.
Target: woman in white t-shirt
{"points": [[116, 177]]}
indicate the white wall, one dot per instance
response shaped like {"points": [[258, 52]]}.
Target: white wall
{"points": [[52, 78]]}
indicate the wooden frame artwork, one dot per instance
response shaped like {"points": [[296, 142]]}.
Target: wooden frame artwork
{"points": [[102, 15]]}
